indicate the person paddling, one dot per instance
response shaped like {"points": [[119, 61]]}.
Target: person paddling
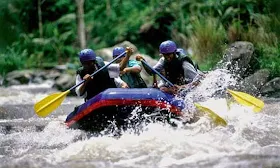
{"points": [[107, 78], [131, 73], [178, 68]]}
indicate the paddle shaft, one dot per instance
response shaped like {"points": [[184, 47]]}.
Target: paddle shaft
{"points": [[155, 71], [105, 66]]}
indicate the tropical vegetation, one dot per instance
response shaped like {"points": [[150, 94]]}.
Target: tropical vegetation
{"points": [[42, 33]]}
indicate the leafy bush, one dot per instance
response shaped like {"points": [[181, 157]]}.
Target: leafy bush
{"points": [[12, 60], [207, 39], [203, 25], [269, 57]]}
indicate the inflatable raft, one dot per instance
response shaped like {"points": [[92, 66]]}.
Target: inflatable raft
{"points": [[123, 107]]}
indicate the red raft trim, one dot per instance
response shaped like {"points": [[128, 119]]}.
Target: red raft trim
{"points": [[102, 103]]}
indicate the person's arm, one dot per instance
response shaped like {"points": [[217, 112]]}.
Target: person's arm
{"points": [[120, 83], [134, 69], [192, 76], [125, 60], [80, 90], [159, 65], [113, 69], [189, 71]]}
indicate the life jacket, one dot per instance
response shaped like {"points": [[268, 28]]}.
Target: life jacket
{"points": [[174, 71], [100, 82], [134, 80], [182, 53]]}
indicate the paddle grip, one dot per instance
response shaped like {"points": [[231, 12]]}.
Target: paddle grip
{"points": [[105, 66], [155, 71]]}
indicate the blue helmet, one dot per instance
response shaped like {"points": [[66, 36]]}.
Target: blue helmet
{"points": [[87, 55], [117, 51], [167, 47]]}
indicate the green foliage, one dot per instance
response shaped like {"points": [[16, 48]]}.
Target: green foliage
{"points": [[269, 57], [271, 6], [12, 60], [259, 36], [270, 23], [205, 26], [207, 39], [122, 21], [209, 62], [12, 21]]}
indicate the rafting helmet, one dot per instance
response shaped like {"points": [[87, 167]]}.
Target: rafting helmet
{"points": [[87, 55], [167, 47], [117, 51]]}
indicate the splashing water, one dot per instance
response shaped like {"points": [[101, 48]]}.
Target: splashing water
{"points": [[213, 86]]}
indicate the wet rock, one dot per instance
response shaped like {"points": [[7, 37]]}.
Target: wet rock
{"points": [[237, 57], [19, 77], [64, 82], [41, 74], [61, 68], [253, 83], [272, 88], [52, 74], [38, 80]]}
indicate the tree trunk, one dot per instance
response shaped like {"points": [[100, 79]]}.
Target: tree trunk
{"points": [[81, 23], [40, 23], [108, 8]]}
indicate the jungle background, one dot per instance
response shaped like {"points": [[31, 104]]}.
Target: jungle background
{"points": [[43, 33]]}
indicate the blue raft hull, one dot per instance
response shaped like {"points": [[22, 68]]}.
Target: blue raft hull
{"points": [[117, 104]]}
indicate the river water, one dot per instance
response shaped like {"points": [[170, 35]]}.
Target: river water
{"points": [[249, 140]]}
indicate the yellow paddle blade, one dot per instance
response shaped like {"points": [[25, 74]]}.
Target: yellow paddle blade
{"points": [[49, 103], [216, 118], [247, 100]]}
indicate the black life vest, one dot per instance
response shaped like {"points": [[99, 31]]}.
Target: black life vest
{"points": [[174, 71], [100, 82]]}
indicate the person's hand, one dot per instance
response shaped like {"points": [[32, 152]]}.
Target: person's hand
{"points": [[124, 71], [87, 77], [139, 57], [129, 51], [171, 90], [155, 85], [190, 86], [124, 85], [164, 89]]}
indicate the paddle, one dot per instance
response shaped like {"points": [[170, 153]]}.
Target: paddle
{"points": [[51, 102], [155, 71], [247, 100], [216, 118]]}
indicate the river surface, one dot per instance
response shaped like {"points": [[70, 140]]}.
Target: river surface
{"points": [[249, 140]]}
